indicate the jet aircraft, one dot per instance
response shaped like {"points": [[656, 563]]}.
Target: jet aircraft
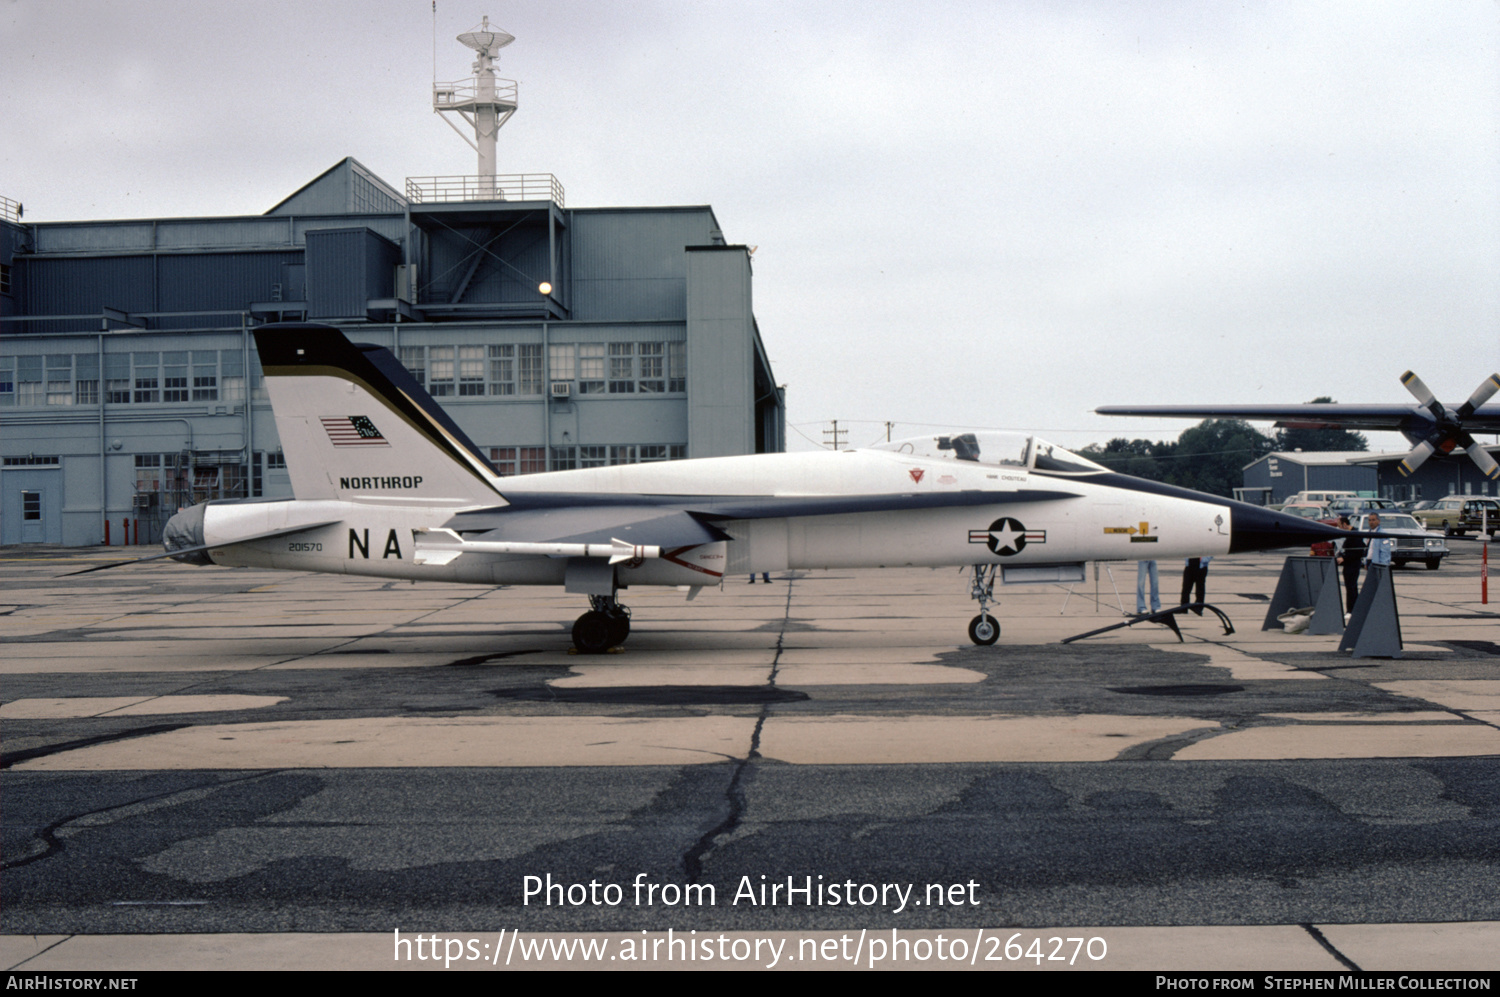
{"points": [[1431, 425], [386, 484]]}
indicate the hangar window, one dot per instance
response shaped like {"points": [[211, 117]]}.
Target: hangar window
{"points": [[147, 368], [59, 379], [471, 374], [568, 458], [86, 379], [529, 372], [174, 382], [32, 460], [29, 381], [591, 368], [7, 380], [653, 364], [518, 460], [148, 472], [232, 371], [440, 371], [677, 366], [503, 370], [503, 460], [561, 361], [117, 378], [621, 368], [205, 376], [414, 359]]}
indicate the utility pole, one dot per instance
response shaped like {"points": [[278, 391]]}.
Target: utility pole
{"points": [[835, 433]]}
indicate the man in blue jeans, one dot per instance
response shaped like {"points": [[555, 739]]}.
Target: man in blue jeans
{"points": [[1144, 570]]}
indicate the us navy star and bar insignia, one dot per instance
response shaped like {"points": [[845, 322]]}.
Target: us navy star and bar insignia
{"points": [[1007, 536], [1138, 534]]}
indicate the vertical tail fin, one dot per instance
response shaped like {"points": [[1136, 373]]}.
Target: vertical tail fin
{"points": [[354, 424]]}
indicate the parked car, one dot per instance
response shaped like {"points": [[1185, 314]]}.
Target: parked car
{"points": [[1457, 515], [1306, 510], [1413, 543], [1353, 506]]}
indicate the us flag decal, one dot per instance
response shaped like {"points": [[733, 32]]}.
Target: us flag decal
{"points": [[352, 431]]}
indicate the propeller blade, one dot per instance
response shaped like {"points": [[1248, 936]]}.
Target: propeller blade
{"points": [[1416, 458], [1415, 385], [1480, 396], [1479, 455]]}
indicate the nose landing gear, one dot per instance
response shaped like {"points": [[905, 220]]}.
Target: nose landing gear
{"points": [[604, 626], [983, 629]]}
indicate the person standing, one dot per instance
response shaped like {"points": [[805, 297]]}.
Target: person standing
{"points": [[1380, 547], [1146, 570], [1350, 553], [1195, 577]]}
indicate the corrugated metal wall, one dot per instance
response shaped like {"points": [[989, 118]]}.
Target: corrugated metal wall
{"points": [[167, 282], [347, 267], [630, 265], [219, 280], [87, 285]]}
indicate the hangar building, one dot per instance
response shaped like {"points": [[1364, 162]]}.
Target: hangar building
{"points": [[1278, 476], [556, 337]]}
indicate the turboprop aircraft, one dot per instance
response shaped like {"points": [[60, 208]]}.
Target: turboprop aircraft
{"points": [[1431, 425], [386, 484]]}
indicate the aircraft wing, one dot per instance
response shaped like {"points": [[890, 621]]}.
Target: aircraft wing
{"points": [[1434, 427], [1394, 418], [683, 520]]}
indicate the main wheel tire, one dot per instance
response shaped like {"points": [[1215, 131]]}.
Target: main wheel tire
{"points": [[984, 630], [591, 633], [1433, 565], [619, 628]]}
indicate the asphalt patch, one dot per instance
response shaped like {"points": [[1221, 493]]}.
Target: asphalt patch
{"points": [[658, 695], [1482, 646], [1176, 690]]}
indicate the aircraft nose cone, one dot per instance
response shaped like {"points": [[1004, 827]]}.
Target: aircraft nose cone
{"points": [[183, 530], [1254, 528]]}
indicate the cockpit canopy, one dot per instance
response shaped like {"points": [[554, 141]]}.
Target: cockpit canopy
{"points": [[996, 449]]}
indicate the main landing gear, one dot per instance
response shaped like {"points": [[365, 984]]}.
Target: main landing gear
{"points": [[983, 629], [604, 626]]}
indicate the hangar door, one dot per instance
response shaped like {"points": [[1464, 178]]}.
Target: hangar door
{"points": [[31, 511]]}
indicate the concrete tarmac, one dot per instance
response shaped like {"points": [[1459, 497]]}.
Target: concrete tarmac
{"points": [[236, 768]]}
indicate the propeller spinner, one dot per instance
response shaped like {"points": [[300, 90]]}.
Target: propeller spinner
{"points": [[1448, 432]]}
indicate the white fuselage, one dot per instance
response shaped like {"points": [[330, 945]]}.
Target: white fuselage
{"points": [[373, 534]]}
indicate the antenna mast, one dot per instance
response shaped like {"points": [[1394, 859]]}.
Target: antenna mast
{"points": [[484, 101]]}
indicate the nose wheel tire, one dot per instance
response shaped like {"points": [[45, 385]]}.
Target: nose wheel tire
{"points": [[984, 630]]}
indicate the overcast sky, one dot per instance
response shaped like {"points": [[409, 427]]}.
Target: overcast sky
{"points": [[997, 215]]}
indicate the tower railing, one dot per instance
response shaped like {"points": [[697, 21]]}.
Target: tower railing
{"points": [[464, 94], [10, 210], [508, 187]]}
